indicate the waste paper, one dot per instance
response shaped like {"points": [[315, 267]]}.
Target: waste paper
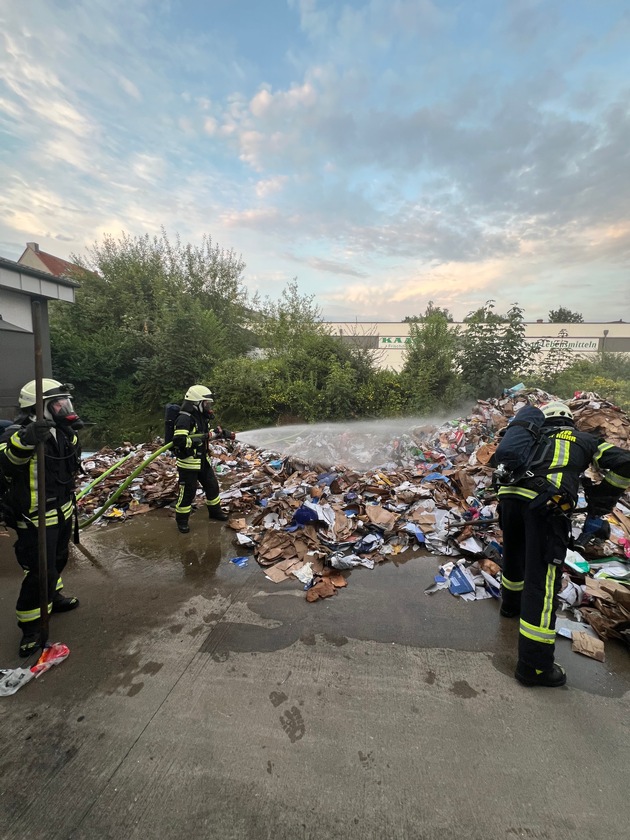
{"points": [[368, 496], [13, 679]]}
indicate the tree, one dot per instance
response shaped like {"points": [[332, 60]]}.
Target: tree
{"points": [[150, 318], [247, 392], [493, 350], [181, 352], [608, 374], [555, 360], [283, 324], [430, 310], [382, 395], [565, 316], [429, 374], [310, 374]]}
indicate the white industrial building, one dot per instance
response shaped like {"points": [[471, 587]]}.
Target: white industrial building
{"points": [[390, 338]]}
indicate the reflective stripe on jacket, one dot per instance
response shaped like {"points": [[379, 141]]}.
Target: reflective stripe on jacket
{"points": [[572, 453], [18, 462], [190, 452]]}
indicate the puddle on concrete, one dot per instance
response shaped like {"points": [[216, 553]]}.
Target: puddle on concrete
{"points": [[152, 545], [146, 569], [389, 605]]}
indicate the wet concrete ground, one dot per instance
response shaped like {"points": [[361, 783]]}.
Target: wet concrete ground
{"points": [[202, 700]]}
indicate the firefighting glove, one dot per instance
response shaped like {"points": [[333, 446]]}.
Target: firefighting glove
{"points": [[595, 528], [182, 446], [220, 432], [36, 432], [600, 498]]}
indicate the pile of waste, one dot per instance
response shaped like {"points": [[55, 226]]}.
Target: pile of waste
{"points": [[428, 488], [105, 471]]}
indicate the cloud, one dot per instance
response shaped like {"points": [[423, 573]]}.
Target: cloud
{"points": [[210, 126], [314, 21], [283, 104], [259, 218], [11, 109], [148, 167], [269, 186], [128, 86], [392, 149], [409, 294], [330, 266]]}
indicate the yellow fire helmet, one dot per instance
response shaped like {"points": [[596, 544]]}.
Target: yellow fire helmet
{"points": [[557, 409], [50, 388], [198, 393]]}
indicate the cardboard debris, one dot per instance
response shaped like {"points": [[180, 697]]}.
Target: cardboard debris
{"points": [[608, 612], [490, 567], [380, 517], [370, 496], [324, 588], [485, 453], [583, 643]]}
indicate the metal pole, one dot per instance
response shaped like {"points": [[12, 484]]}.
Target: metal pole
{"points": [[41, 477]]}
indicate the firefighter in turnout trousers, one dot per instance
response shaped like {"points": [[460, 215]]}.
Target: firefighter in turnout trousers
{"points": [[18, 465], [190, 444], [534, 516]]}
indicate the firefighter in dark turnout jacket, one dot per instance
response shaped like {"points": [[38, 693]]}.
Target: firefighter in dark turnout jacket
{"points": [[18, 465], [534, 516], [194, 463]]}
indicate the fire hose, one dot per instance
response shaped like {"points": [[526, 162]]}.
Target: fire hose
{"points": [[133, 475], [123, 486]]}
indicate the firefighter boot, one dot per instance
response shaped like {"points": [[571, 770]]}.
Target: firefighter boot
{"points": [[215, 512], [553, 678], [182, 523], [30, 643], [62, 603]]}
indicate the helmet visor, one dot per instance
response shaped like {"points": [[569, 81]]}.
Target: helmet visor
{"points": [[206, 406], [62, 409]]}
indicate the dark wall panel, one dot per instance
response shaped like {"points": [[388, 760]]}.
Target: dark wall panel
{"points": [[17, 364]]}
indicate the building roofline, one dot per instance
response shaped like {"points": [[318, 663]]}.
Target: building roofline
{"points": [[20, 268], [532, 323]]}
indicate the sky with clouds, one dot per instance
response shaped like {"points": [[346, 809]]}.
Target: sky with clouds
{"points": [[382, 152]]}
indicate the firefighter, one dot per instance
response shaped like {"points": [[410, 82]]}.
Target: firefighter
{"points": [[534, 516], [18, 464], [194, 465]]}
